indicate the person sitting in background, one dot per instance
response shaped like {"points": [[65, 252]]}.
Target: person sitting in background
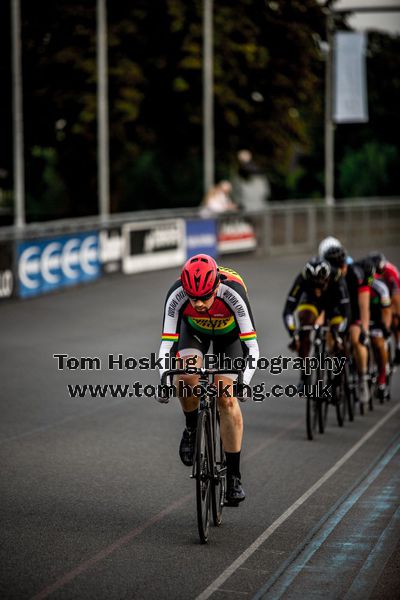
{"points": [[218, 200]]}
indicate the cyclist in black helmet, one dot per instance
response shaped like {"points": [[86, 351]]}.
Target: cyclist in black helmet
{"points": [[318, 294]]}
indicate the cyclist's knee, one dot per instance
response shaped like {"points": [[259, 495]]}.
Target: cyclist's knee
{"points": [[226, 393]]}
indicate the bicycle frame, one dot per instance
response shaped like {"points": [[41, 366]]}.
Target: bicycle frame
{"points": [[208, 472]]}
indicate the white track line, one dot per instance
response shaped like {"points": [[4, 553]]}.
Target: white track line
{"points": [[216, 584]]}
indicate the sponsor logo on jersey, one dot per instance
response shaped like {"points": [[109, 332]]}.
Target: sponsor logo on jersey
{"points": [[215, 325]]}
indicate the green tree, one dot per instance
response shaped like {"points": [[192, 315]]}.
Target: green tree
{"points": [[375, 143], [267, 91], [369, 171]]}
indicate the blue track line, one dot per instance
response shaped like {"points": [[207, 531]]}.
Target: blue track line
{"points": [[318, 536]]}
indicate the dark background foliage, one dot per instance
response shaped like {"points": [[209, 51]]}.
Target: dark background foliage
{"points": [[269, 87]]}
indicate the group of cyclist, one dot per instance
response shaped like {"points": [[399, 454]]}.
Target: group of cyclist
{"points": [[359, 301], [209, 303]]}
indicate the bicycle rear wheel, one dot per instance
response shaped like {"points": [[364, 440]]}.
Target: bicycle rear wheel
{"points": [[219, 480], [323, 403], [348, 393], [204, 476], [389, 370]]}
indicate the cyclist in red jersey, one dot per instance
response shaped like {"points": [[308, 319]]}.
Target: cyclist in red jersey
{"points": [[381, 317], [210, 304], [390, 275]]}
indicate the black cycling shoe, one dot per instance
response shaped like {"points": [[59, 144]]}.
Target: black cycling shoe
{"points": [[186, 447], [234, 491], [381, 392]]}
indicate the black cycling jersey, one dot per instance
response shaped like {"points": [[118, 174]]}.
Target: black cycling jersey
{"points": [[334, 300]]}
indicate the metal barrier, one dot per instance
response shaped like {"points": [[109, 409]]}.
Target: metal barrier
{"points": [[299, 227], [282, 227], [43, 257]]}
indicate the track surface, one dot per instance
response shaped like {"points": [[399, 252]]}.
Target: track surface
{"points": [[96, 504]]}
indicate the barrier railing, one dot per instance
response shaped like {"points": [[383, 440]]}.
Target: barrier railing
{"points": [[46, 256]]}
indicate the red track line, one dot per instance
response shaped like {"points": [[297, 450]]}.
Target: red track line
{"points": [[128, 537], [122, 541]]}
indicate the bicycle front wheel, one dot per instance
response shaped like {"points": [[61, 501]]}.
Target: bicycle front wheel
{"points": [[340, 400], [311, 416], [219, 480], [323, 404], [348, 393], [204, 476]]}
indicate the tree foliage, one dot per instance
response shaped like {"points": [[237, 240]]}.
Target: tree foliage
{"points": [[268, 91]]}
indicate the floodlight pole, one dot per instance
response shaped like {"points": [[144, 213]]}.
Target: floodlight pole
{"points": [[208, 96], [103, 158], [18, 118], [329, 126]]}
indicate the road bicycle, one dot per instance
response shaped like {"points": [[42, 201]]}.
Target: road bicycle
{"points": [[391, 366], [209, 464], [316, 406], [342, 398]]}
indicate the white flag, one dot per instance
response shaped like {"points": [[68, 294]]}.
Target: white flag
{"points": [[350, 89]]}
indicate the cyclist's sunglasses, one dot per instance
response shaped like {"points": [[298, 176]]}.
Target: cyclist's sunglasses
{"points": [[202, 298]]}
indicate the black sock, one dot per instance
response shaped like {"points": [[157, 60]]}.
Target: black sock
{"points": [[233, 463], [191, 419]]}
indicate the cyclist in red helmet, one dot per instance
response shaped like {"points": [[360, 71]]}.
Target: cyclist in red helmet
{"points": [[210, 303]]}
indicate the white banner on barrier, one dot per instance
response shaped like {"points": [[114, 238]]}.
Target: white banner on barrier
{"points": [[350, 87], [236, 234], [152, 245]]}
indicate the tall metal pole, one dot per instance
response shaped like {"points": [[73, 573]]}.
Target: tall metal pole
{"points": [[329, 126], [18, 120], [208, 96], [102, 112]]}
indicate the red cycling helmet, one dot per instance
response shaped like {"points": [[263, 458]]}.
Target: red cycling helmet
{"points": [[200, 276]]}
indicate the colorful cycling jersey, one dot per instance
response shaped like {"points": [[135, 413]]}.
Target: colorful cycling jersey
{"points": [[380, 294], [380, 299], [228, 318], [391, 277]]}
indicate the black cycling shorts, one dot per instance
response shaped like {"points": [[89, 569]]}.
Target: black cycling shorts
{"points": [[223, 346]]}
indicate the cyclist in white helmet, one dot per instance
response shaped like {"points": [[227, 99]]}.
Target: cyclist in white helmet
{"points": [[358, 277]]}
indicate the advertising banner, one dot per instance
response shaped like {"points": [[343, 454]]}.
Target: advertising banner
{"points": [[111, 249], [201, 237], [152, 245], [50, 264], [236, 234], [6, 270], [350, 87]]}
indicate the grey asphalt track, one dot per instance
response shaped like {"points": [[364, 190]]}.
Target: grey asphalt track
{"points": [[96, 504]]}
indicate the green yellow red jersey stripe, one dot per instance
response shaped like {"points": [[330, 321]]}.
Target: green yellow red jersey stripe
{"points": [[250, 335], [170, 337]]}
